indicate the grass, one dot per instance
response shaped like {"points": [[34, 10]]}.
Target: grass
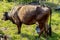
{"points": [[27, 32]]}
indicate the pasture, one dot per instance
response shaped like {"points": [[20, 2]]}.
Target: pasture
{"points": [[28, 32]]}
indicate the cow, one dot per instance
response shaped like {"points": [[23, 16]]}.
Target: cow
{"points": [[29, 14]]}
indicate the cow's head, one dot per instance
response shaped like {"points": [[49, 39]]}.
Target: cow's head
{"points": [[5, 16]]}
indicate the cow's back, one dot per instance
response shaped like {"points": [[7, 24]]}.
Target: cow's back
{"points": [[27, 14]]}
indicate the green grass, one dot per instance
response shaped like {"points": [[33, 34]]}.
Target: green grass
{"points": [[27, 32], [5, 6], [55, 1]]}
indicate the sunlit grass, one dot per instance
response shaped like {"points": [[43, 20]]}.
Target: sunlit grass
{"points": [[5, 6], [54, 1]]}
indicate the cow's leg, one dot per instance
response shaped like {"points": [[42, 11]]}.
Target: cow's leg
{"points": [[46, 27], [41, 26], [49, 30], [19, 27], [46, 31]]}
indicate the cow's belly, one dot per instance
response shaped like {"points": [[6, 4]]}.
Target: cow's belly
{"points": [[29, 23]]}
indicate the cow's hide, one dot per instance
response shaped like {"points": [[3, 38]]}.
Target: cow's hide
{"points": [[29, 14]]}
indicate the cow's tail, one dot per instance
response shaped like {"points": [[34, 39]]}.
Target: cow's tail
{"points": [[50, 29], [50, 16]]}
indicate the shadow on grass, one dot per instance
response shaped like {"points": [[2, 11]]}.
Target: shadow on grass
{"points": [[55, 36], [32, 37]]}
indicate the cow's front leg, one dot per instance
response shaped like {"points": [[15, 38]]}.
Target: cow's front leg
{"points": [[19, 27]]}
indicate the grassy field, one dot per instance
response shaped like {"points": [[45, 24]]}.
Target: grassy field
{"points": [[28, 32]]}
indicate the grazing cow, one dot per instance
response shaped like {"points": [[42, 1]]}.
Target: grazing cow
{"points": [[29, 14]]}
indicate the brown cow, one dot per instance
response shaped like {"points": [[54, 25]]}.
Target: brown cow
{"points": [[29, 14]]}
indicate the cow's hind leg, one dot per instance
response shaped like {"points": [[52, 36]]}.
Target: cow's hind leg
{"points": [[19, 27], [46, 31], [41, 26]]}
